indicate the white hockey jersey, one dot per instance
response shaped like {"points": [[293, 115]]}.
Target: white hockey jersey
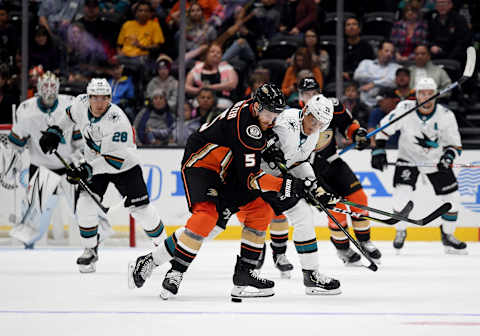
{"points": [[423, 138], [109, 140], [34, 118], [295, 146]]}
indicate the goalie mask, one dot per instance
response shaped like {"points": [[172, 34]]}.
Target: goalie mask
{"points": [[321, 109], [47, 88]]}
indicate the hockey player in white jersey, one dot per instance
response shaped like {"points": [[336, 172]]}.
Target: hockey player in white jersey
{"points": [[45, 182], [298, 133], [428, 135], [109, 157]]}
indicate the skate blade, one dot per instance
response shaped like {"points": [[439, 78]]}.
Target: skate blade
{"points": [[242, 292], [166, 294], [286, 275], [322, 291], [353, 264], [131, 268], [87, 268], [453, 251]]}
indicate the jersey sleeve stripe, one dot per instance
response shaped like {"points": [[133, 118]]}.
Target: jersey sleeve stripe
{"points": [[16, 140], [76, 135], [114, 161]]}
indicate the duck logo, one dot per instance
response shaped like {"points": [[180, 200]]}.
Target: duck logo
{"points": [[469, 187]]}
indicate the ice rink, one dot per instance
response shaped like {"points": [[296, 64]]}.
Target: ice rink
{"points": [[421, 292]]}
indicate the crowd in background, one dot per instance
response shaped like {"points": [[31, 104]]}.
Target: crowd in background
{"points": [[232, 47]]}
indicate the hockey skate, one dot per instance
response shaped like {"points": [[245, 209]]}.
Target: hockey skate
{"points": [[349, 257], [140, 270], [399, 240], [283, 264], [86, 262], [452, 245], [371, 250], [317, 283], [245, 276], [171, 283]]}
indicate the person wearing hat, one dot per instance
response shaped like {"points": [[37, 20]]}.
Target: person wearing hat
{"points": [[163, 80], [402, 80], [387, 100]]}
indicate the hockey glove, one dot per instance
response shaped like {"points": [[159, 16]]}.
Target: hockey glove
{"points": [[83, 172], [292, 187], [379, 156], [272, 154], [446, 160], [360, 137], [328, 200], [50, 139]]}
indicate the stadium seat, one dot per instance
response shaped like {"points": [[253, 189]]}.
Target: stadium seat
{"points": [[330, 25], [378, 23], [277, 68], [281, 48]]}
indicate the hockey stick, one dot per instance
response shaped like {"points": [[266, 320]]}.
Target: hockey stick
{"points": [[83, 184], [433, 165], [444, 208], [467, 74], [373, 267]]}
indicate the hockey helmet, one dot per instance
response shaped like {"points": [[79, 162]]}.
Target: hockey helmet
{"points": [[308, 83], [270, 98], [99, 87], [426, 83], [321, 108], [47, 88]]}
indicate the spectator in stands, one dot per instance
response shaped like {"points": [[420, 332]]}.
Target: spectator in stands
{"points": [[6, 98], [269, 15], [100, 27], [408, 32], [191, 124], [214, 74], [213, 12], [43, 51], [449, 35], [155, 123], [114, 10], [9, 38], [207, 108], [351, 99], [199, 33], [403, 88], [319, 56], [355, 49], [164, 81], [257, 78], [123, 91], [297, 16], [425, 68], [372, 75], [138, 38], [424, 5], [56, 15], [301, 61], [387, 101], [85, 55]]}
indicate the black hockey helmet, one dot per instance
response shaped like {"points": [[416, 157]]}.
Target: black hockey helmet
{"points": [[308, 83], [270, 97]]}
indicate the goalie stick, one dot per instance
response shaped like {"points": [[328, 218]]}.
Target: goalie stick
{"points": [[309, 197], [83, 184], [467, 74]]}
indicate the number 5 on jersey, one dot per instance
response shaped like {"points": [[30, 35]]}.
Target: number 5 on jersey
{"points": [[250, 160]]}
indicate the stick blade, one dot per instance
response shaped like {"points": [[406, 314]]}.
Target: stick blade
{"points": [[444, 208], [471, 60]]}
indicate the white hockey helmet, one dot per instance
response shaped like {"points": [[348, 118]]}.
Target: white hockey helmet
{"points": [[321, 108], [99, 87], [426, 83], [47, 88]]}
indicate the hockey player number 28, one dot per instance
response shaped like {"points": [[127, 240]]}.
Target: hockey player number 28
{"points": [[120, 136]]}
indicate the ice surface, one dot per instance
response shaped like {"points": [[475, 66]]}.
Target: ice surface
{"points": [[421, 292]]}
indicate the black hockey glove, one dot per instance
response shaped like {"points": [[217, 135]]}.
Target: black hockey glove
{"points": [[446, 160], [379, 156], [292, 187], [329, 200], [360, 137], [50, 139], [271, 154], [83, 172]]}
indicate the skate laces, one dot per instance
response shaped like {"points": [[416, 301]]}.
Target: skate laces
{"points": [[256, 275], [452, 239], [320, 278], [147, 268], [174, 277]]}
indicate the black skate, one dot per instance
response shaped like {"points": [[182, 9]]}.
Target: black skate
{"points": [[317, 283], [244, 276], [283, 265], [452, 245], [349, 257], [171, 283], [371, 250], [140, 270], [399, 240], [86, 262]]}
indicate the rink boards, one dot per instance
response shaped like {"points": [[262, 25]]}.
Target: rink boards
{"points": [[161, 168]]}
